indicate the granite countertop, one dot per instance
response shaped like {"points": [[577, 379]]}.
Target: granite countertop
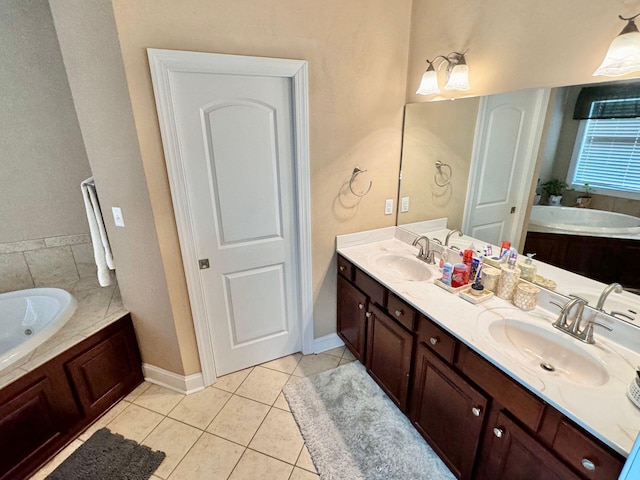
{"points": [[605, 410], [97, 308]]}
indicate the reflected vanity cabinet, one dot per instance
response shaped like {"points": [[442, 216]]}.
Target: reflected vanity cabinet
{"points": [[482, 424]]}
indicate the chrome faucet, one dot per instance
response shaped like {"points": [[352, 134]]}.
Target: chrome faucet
{"points": [[425, 254], [614, 287], [570, 324], [446, 240]]}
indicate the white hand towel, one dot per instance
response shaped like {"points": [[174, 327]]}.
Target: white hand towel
{"points": [[101, 248]]}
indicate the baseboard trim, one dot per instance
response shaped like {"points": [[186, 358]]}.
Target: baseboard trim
{"points": [[328, 342], [179, 383]]}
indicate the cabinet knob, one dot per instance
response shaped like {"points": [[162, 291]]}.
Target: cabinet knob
{"points": [[588, 464], [434, 340], [368, 314], [361, 306], [342, 268], [498, 432], [399, 313], [476, 411]]}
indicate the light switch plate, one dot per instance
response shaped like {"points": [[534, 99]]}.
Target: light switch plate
{"points": [[404, 206], [388, 206], [118, 219]]}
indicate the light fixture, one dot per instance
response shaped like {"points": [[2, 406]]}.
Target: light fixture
{"points": [[623, 55], [457, 74]]}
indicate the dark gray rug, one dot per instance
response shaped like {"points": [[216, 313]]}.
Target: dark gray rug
{"points": [[354, 431], [109, 456]]}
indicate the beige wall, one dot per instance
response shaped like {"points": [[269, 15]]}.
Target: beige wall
{"points": [[43, 157], [516, 44], [444, 132], [89, 44], [357, 54]]}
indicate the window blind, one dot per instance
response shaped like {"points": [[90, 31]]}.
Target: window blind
{"points": [[609, 155]]}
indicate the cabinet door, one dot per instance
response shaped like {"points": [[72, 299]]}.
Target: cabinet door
{"points": [[352, 322], [389, 349], [447, 411], [515, 455]]}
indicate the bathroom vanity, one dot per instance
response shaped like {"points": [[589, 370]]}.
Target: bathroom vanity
{"points": [[485, 410]]}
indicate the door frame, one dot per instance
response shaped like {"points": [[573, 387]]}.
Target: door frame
{"points": [[162, 63], [529, 165]]}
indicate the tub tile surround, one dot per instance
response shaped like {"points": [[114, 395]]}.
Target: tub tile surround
{"points": [[604, 411], [53, 261], [97, 308]]}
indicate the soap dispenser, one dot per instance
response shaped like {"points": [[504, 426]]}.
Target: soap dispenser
{"points": [[528, 269], [509, 277]]}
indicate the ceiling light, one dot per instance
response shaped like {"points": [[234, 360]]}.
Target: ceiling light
{"points": [[623, 55]]}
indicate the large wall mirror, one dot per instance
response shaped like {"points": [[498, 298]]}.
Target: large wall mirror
{"points": [[453, 135]]}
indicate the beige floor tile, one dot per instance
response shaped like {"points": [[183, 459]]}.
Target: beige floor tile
{"points": [[210, 458], [312, 364], [304, 460], [281, 403], [116, 410], [159, 399], [278, 436], [135, 422], [347, 355], [139, 390], [198, 409], [231, 382], [239, 420], [56, 461], [256, 466], [294, 379], [344, 361], [173, 438], [299, 474], [284, 364], [335, 352], [263, 385]]}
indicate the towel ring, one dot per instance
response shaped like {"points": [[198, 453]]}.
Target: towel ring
{"points": [[439, 166], [357, 171]]}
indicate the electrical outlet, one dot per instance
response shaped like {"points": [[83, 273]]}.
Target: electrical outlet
{"points": [[118, 219], [404, 206], [388, 206]]}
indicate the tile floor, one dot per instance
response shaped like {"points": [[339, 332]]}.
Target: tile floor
{"points": [[239, 428]]}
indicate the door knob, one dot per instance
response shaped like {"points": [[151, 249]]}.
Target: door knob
{"points": [[588, 464], [342, 268], [498, 432], [434, 340], [361, 306], [476, 411], [368, 314], [399, 313]]}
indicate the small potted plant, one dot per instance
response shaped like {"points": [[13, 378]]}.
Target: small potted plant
{"points": [[554, 188], [584, 201]]}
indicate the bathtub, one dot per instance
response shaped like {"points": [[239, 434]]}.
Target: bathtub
{"points": [[582, 221], [30, 317]]}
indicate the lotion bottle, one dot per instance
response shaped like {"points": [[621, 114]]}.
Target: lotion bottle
{"points": [[528, 269]]}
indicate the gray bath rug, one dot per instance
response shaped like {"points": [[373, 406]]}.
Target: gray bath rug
{"points": [[354, 431], [109, 456]]}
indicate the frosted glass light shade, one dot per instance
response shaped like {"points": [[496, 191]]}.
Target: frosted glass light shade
{"points": [[622, 57], [429, 83], [459, 78]]}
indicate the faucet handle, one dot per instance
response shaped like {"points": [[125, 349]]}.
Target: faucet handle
{"points": [[437, 240], [587, 334], [623, 315]]}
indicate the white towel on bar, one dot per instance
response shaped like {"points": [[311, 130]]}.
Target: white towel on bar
{"points": [[101, 248]]}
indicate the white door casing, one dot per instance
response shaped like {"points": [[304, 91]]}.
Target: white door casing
{"points": [[505, 149], [257, 236]]}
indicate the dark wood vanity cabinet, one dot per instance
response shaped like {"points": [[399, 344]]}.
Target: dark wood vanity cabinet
{"points": [[45, 409], [482, 423]]}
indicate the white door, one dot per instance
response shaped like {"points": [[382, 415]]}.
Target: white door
{"points": [[236, 140], [506, 144]]}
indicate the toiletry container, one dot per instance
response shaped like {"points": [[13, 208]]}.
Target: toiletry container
{"points": [[525, 296], [490, 277], [528, 269], [509, 277], [447, 271], [460, 275]]}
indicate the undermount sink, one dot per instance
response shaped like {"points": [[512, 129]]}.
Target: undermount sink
{"points": [[549, 351], [403, 268]]}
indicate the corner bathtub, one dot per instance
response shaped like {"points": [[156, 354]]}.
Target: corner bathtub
{"points": [[582, 221], [30, 317]]}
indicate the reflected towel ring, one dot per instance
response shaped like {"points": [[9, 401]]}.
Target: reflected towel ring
{"points": [[357, 171], [439, 166]]}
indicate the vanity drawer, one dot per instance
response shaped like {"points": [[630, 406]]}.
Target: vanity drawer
{"points": [[402, 312], [585, 454], [436, 339], [525, 406], [345, 268], [376, 292]]}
